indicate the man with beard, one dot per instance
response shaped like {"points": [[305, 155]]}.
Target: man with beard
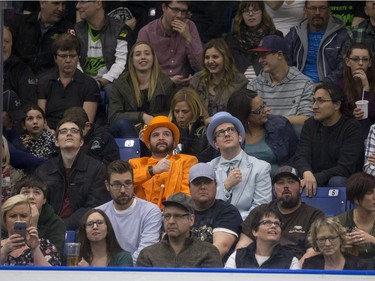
{"points": [[317, 44], [136, 222], [162, 174], [297, 217]]}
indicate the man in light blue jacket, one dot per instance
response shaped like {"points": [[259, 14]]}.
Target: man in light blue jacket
{"points": [[242, 180]]}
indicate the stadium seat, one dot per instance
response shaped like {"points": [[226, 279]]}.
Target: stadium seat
{"points": [[70, 236], [331, 200], [129, 148]]}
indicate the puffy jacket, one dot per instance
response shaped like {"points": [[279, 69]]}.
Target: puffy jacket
{"points": [[281, 257]]}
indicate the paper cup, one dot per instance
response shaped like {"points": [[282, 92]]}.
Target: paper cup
{"points": [[363, 104]]}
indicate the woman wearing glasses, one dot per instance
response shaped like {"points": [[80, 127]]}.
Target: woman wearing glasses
{"points": [[359, 81], [99, 245], [219, 78], [268, 137], [328, 237], [251, 24], [265, 251]]}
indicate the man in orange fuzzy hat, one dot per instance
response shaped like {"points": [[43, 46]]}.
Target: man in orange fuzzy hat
{"points": [[162, 174]]}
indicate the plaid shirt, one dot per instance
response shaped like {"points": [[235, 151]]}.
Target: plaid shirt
{"points": [[370, 149], [364, 33]]}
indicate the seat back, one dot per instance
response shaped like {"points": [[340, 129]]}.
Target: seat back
{"points": [[331, 200], [129, 148]]}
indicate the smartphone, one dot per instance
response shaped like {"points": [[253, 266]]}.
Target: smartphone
{"points": [[20, 228]]}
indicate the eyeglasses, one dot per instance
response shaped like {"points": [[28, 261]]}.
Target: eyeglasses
{"points": [[319, 101], [323, 240], [248, 11], [269, 223], [97, 222], [177, 10], [167, 217], [65, 131], [259, 110], [358, 59], [65, 56], [314, 9], [118, 185], [229, 130]]}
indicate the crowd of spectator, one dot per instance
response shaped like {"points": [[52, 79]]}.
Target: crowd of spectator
{"points": [[240, 106]]}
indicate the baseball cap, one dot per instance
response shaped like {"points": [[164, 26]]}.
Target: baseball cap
{"points": [[285, 171], [201, 170], [272, 43], [180, 199], [12, 105]]}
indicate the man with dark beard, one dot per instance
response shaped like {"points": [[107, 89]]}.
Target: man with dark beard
{"points": [[297, 217], [136, 222], [163, 174]]}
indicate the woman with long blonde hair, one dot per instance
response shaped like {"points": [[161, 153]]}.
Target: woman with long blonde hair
{"points": [[189, 113], [139, 93], [9, 174]]}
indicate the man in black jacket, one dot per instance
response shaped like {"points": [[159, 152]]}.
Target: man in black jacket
{"points": [[34, 34], [75, 180], [18, 76]]}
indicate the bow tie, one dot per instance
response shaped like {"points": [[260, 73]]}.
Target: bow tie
{"points": [[230, 163]]}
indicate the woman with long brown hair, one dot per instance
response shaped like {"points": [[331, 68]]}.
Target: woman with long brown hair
{"points": [[359, 81], [99, 245], [219, 78], [251, 24]]}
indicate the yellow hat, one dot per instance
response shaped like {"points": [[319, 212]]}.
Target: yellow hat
{"points": [[161, 121]]}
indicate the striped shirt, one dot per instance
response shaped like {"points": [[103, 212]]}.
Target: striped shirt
{"points": [[291, 97]]}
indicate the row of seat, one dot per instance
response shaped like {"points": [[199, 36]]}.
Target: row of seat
{"points": [[331, 200]]}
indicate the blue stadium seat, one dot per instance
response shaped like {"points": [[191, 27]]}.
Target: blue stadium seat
{"points": [[331, 200], [70, 236], [129, 148]]}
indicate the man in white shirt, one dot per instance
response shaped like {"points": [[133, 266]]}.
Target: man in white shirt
{"points": [[136, 222]]}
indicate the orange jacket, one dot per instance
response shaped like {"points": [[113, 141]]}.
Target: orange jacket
{"points": [[158, 188]]}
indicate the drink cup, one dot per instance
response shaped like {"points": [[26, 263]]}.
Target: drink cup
{"points": [[72, 253], [363, 104]]}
